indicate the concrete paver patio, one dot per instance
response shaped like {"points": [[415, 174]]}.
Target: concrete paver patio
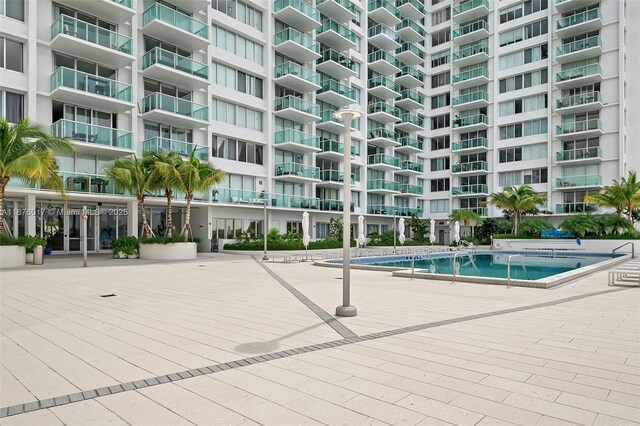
{"points": [[570, 355]]}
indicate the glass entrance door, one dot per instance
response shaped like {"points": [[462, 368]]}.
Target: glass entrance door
{"points": [[74, 218], [52, 226]]}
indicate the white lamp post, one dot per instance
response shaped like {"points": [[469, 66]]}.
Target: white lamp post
{"points": [[346, 309]]}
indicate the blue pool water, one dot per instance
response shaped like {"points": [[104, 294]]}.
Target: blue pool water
{"points": [[490, 263]]}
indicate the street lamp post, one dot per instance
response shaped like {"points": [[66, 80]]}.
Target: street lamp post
{"points": [[264, 226], [346, 309]]}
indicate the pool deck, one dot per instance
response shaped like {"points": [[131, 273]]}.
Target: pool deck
{"points": [[226, 339]]}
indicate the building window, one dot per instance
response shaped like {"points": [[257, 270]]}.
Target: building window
{"points": [[443, 15], [440, 142], [440, 58], [11, 106], [441, 100], [236, 150], [440, 163], [528, 104], [440, 37], [526, 128], [522, 9], [439, 206], [236, 44], [440, 121], [440, 79], [525, 80], [231, 78], [525, 56], [520, 177], [524, 33], [294, 227], [236, 115], [239, 10], [11, 54], [439, 185], [12, 9]]}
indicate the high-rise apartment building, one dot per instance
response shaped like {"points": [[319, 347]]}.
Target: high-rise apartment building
{"points": [[459, 99]]}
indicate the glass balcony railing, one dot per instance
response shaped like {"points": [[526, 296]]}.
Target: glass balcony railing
{"points": [[406, 188], [409, 70], [160, 101], [411, 142], [164, 57], [470, 28], [179, 147], [291, 68], [381, 55], [333, 205], [297, 169], [344, 3], [578, 18], [470, 167], [470, 143], [334, 86], [297, 104], [238, 196], [470, 50], [479, 95], [577, 100], [578, 45], [470, 189], [91, 33], [176, 19], [383, 107], [408, 23], [94, 184], [579, 154], [383, 159], [125, 3], [299, 5], [381, 132], [576, 207], [415, 3], [412, 95], [469, 74], [464, 7], [89, 83], [383, 29], [470, 120], [412, 166], [569, 181], [391, 210], [336, 146], [413, 119], [410, 47], [584, 71], [388, 185], [329, 175], [89, 133], [298, 137], [335, 56], [291, 34], [385, 4], [578, 126], [481, 211], [331, 25], [383, 81]]}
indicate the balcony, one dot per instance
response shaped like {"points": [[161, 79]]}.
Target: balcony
{"points": [[564, 6], [410, 77], [393, 210], [331, 124], [164, 23], [411, 31], [296, 172], [292, 43], [89, 183], [472, 54], [336, 93], [589, 101], [410, 168], [297, 141], [296, 77], [98, 139], [410, 8], [470, 190], [471, 123], [476, 99], [579, 23], [580, 155], [179, 147], [578, 129], [255, 198], [384, 12], [471, 32], [411, 190], [88, 41], [579, 50], [382, 138], [340, 10], [410, 100], [79, 88], [296, 109], [409, 145], [383, 88], [383, 63], [470, 145], [333, 205], [473, 167], [333, 150], [410, 54], [332, 179], [337, 65], [167, 109], [382, 112], [576, 207], [297, 13], [116, 11], [410, 123], [481, 211], [383, 37], [470, 10], [166, 66], [579, 76], [382, 186], [336, 35], [473, 77], [579, 182], [383, 162]]}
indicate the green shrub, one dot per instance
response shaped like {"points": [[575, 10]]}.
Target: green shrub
{"points": [[30, 242], [534, 227], [7, 240], [168, 240], [127, 245], [285, 245]]}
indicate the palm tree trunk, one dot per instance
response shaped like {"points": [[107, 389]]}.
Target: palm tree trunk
{"points": [[3, 184], [630, 213], [169, 232], [186, 229], [516, 221], [146, 229]]}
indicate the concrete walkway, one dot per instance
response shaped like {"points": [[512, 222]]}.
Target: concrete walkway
{"points": [[221, 340]]}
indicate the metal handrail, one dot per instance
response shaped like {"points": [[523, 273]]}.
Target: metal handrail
{"points": [[633, 249], [524, 268], [413, 261]]}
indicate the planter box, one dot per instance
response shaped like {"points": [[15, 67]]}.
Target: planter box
{"points": [[12, 256], [173, 251], [29, 258], [586, 245]]}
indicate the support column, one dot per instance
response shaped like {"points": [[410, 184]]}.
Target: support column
{"points": [[132, 218], [31, 217]]}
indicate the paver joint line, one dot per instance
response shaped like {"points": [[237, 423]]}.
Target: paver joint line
{"points": [[153, 381]]}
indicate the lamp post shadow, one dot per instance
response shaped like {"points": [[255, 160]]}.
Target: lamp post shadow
{"points": [[271, 345]]}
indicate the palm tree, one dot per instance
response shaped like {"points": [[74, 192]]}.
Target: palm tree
{"points": [[163, 165], [581, 224], [465, 216], [27, 153], [191, 176], [131, 174], [517, 201], [623, 195]]}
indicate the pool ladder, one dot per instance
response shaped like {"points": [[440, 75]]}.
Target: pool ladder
{"points": [[455, 258], [413, 261], [524, 268]]}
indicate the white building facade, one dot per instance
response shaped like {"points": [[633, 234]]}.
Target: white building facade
{"points": [[459, 99]]}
